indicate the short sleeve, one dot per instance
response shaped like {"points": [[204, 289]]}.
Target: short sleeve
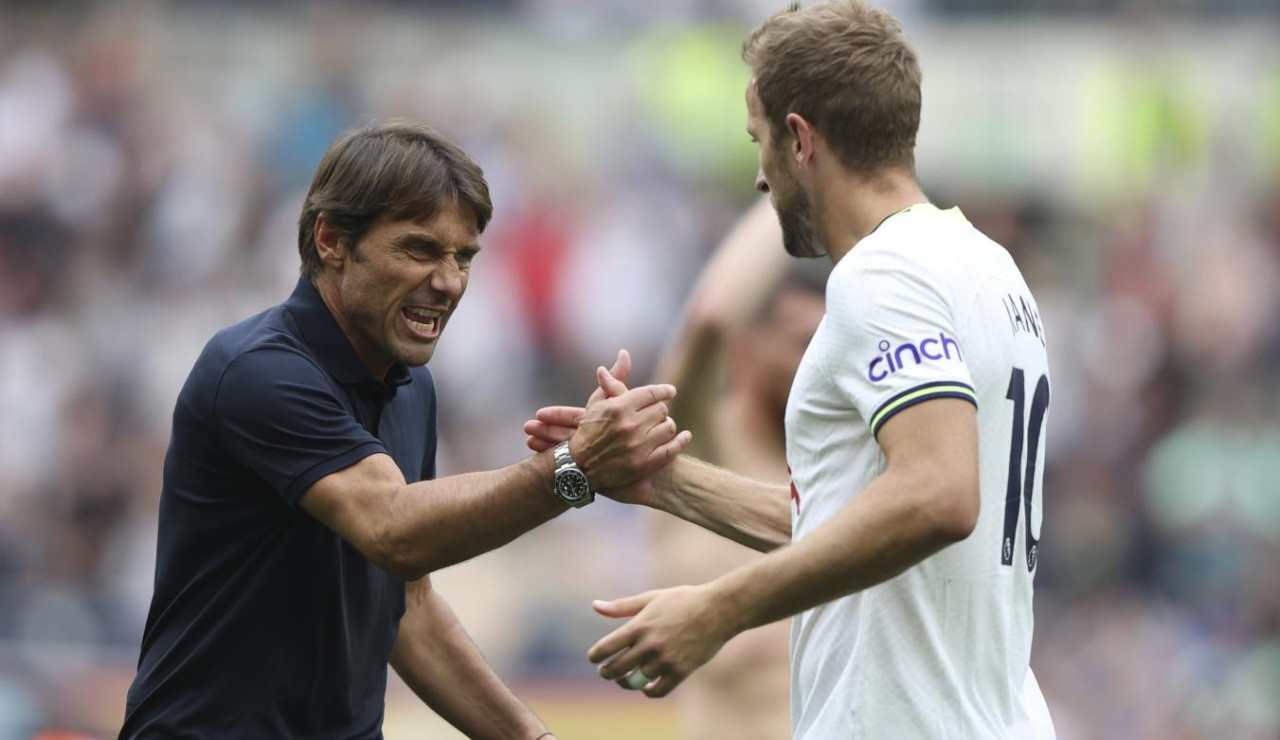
{"points": [[276, 414], [899, 329]]}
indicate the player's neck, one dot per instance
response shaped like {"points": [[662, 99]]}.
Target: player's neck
{"points": [[853, 206]]}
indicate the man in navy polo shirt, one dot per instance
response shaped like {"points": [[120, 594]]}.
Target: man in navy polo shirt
{"points": [[299, 516]]}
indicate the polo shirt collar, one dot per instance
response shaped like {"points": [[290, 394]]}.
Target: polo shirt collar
{"points": [[331, 346]]}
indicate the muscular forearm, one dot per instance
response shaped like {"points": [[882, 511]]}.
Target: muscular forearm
{"points": [[434, 524], [744, 510], [437, 659], [888, 528]]}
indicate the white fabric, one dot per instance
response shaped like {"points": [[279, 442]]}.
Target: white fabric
{"points": [[925, 306]]}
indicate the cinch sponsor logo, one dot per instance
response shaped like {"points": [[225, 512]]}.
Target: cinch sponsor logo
{"points": [[930, 348]]}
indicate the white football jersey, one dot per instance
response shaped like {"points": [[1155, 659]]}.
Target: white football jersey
{"points": [[924, 307]]}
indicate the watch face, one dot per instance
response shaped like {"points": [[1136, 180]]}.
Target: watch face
{"points": [[571, 485]]}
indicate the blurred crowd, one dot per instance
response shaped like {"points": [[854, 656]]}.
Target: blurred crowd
{"points": [[153, 160]]}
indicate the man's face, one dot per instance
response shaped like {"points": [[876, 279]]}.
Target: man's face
{"points": [[400, 285], [775, 177]]}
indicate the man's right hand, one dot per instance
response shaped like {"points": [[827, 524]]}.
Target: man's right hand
{"points": [[554, 424]]}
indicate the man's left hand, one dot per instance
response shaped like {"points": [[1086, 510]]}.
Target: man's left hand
{"points": [[672, 633]]}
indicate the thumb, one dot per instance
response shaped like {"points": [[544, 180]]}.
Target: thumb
{"points": [[627, 606], [622, 367], [609, 384]]}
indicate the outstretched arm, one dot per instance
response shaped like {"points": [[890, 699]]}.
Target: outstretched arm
{"points": [[926, 499], [413, 529], [747, 511], [438, 660]]}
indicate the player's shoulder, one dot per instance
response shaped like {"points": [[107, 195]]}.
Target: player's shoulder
{"points": [[923, 246], [259, 346]]}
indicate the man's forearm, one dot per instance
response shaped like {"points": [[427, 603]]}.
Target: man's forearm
{"points": [[445, 521], [747, 511], [438, 660], [882, 532]]}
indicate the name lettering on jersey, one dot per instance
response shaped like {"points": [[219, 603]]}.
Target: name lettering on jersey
{"points": [[1023, 316], [925, 350]]}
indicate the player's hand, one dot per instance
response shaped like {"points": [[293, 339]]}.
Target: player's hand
{"points": [[628, 436], [672, 633], [558, 423], [554, 424]]}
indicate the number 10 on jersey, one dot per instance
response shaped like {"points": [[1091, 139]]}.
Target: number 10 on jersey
{"points": [[1021, 487]]}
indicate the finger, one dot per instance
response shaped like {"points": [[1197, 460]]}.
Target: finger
{"points": [[537, 444], [661, 432], [622, 366], [611, 386], [612, 643], [622, 663], [549, 432], [564, 416], [627, 606], [653, 416], [662, 457], [647, 395], [662, 685]]}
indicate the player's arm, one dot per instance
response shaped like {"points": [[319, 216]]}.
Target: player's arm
{"points": [[734, 287], [747, 511], [438, 660], [276, 414], [742, 509], [923, 418], [413, 529], [926, 499]]}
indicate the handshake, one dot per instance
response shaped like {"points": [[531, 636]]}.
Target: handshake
{"points": [[621, 439]]}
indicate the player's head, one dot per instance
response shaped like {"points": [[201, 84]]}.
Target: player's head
{"points": [[837, 82], [765, 356], [390, 225]]}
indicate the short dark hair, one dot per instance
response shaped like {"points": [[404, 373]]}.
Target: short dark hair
{"points": [[848, 70], [400, 169]]}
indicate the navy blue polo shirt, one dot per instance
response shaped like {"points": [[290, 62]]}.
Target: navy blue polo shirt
{"points": [[265, 623]]}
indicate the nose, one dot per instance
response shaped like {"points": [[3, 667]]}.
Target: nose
{"points": [[449, 280], [762, 185]]}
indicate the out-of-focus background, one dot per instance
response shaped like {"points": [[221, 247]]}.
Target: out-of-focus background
{"points": [[153, 159]]}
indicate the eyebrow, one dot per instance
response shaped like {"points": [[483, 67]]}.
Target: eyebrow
{"points": [[417, 240]]}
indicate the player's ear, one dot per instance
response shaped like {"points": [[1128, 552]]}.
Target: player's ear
{"points": [[803, 137], [329, 247]]}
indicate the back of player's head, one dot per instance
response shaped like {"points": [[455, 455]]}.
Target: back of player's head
{"points": [[847, 69], [399, 169]]}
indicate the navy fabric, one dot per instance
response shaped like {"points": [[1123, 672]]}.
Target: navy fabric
{"points": [[264, 622]]}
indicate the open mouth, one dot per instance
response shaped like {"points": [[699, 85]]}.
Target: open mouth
{"points": [[422, 322]]}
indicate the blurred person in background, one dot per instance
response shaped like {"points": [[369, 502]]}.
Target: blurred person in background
{"points": [[299, 521], [907, 546], [749, 319]]}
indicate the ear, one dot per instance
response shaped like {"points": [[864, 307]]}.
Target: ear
{"points": [[804, 138], [329, 245]]}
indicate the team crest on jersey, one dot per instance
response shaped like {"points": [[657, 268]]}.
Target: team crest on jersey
{"points": [[892, 359]]}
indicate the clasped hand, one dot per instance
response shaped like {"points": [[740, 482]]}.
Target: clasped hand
{"points": [[619, 437]]}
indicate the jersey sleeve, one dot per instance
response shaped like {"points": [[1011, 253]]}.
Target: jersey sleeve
{"points": [[276, 414], [898, 325]]}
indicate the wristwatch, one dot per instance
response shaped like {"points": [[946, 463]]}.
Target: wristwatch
{"points": [[571, 484]]}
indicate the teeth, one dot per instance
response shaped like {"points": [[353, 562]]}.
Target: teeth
{"points": [[424, 326]]}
